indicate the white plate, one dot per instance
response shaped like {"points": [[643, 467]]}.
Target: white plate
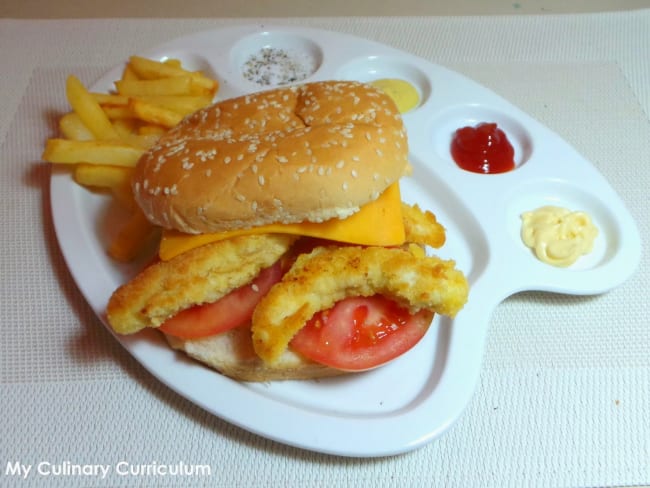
{"points": [[417, 397]]}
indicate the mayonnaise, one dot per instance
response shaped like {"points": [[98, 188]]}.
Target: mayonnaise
{"points": [[557, 235], [403, 93]]}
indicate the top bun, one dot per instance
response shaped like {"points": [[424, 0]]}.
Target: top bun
{"points": [[303, 153]]}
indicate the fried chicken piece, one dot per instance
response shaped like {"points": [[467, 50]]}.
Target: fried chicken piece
{"points": [[319, 279], [422, 227], [201, 275], [209, 272]]}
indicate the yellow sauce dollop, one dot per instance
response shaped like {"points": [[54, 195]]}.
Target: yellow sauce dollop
{"points": [[403, 93], [558, 236]]}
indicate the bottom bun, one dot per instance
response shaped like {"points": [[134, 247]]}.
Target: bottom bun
{"points": [[231, 353]]}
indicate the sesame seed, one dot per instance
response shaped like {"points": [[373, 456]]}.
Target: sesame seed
{"points": [[260, 180]]}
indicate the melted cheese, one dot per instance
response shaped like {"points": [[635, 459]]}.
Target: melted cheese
{"points": [[378, 223]]}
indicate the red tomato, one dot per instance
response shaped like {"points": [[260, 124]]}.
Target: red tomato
{"points": [[233, 310], [361, 333]]}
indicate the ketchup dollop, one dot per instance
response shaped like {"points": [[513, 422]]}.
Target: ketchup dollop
{"points": [[483, 149]]}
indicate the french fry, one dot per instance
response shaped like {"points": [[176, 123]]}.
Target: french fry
{"points": [[183, 104], [88, 110], [72, 127], [142, 141], [105, 134], [135, 235], [102, 176], [154, 114], [124, 196], [118, 112], [126, 126], [114, 179], [200, 91], [110, 99], [181, 85], [173, 62], [149, 69], [128, 73], [93, 152]]}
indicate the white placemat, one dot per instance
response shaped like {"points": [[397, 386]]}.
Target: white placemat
{"points": [[564, 398]]}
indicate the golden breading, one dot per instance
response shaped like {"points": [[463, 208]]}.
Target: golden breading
{"points": [[201, 275], [319, 279], [422, 227]]}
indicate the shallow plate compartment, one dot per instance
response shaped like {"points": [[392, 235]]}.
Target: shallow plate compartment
{"points": [[373, 414], [374, 68], [275, 58]]}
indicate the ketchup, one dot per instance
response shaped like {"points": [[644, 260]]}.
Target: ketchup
{"points": [[483, 149]]}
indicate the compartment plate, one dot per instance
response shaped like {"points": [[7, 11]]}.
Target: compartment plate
{"points": [[414, 399]]}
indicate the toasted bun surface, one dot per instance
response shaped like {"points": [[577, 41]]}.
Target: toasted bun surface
{"points": [[231, 353], [302, 153]]}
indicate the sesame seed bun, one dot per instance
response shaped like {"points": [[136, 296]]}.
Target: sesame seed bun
{"points": [[303, 153], [232, 354]]}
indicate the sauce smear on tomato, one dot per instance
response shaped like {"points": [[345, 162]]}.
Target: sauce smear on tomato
{"points": [[483, 149], [361, 333]]}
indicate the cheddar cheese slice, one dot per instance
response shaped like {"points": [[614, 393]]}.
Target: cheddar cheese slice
{"points": [[378, 223]]}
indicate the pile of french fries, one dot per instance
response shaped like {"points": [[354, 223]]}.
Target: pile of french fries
{"points": [[105, 134]]}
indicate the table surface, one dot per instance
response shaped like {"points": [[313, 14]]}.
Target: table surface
{"points": [[563, 398], [297, 8]]}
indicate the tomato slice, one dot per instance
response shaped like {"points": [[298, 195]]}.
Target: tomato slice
{"points": [[361, 333], [232, 310]]}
